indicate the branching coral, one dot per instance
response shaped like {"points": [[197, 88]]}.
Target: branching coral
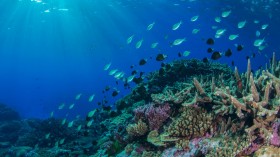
{"points": [[138, 129], [169, 96]]}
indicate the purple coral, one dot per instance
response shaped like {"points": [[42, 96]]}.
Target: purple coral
{"points": [[275, 139], [155, 115], [140, 112]]}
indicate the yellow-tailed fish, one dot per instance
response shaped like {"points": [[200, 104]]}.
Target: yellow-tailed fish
{"points": [[194, 18], [258, 33], [256, 21], [89, 123], [56, 144], [122, 75], [154, 45], [139, 43], [70, 124], [258, 42], [71, 106], [186, 53], [78, 96], [60, 107], [261, 47], [129, 39], [233, 36], [79, 127], [150, 26], [47, 135], [264, 26], [61, 141], [112, 72], [179, 41], [107, 66], [241, 24], [90, 99], [226, 13], [51, 114], [91, 113], [63, 121], [176, 25], [220, 31], [130, 78], [195, 31], [78, 116], [218, 19], [217, 36], [214, 27], [118, 74]]}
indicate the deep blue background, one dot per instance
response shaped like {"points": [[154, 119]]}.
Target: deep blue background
{"points": [[47, 58]]}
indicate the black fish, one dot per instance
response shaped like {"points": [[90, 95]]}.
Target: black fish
{"points": [[115, 93], [142, 61], [205, 60], [133, 72], [107, 88], [239, 47], [137, 80], [228, 53], [161, 71], [210, 50], [132, 66], [105, 101], [141, 73], [232, 63], [253, 55], [107, 108], [247, 57], [168, 67], [210, 41], [179, 54], [113, 114], [160, 57], [216, 55]]}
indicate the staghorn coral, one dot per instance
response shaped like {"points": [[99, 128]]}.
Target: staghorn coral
{"points": [[169, 96]]}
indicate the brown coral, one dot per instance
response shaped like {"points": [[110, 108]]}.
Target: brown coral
{"points": [[193, 122], [138, 129]]}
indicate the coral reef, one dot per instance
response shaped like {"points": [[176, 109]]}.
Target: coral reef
{"points": [[187, 108]]}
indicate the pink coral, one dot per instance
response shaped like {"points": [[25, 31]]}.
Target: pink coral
{"points": [[154, 115], [275, 139], [157, 115]]}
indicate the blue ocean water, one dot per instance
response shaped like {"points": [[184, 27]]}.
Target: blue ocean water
{"points": [[52, 50]]}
